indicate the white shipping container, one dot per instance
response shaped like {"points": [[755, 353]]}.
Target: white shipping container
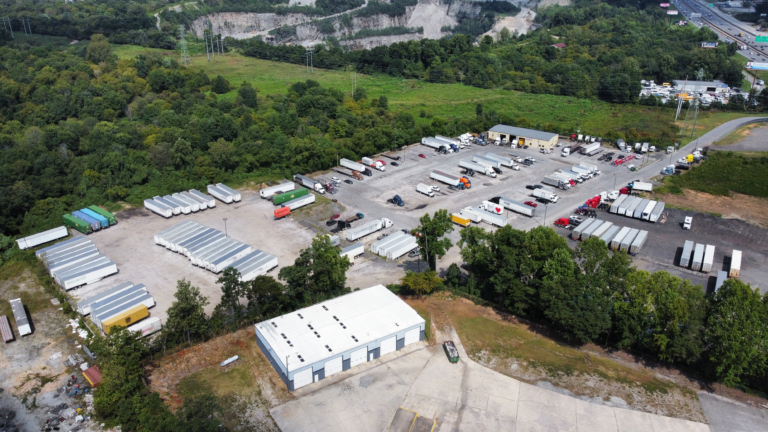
{"points": [[402, 249], [617, 239], [616, 204], [158, 208], [219, 194], [84, 306], [43, 237], [735, 264], [353, 251], [709, 258], [259, 268], [147, 327], [698, 257], [172, 205], [183, 205], [235, 194], [268, 192], [89, 276]]}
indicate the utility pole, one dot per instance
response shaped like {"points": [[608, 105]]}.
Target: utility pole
{"points": [[205, 38], [699, 76], [183, 44], [310, 62]]}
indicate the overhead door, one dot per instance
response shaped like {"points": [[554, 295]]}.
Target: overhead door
{"points": [[300, 379], [358, 357], [332, 366], [388, 346], [412, 336]]}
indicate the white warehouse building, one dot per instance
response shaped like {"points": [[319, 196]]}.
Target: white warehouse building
{"points": [[336, 335]]}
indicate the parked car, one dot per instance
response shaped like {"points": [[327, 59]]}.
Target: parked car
{"points": [[394, 164], [348, 181], [422, 156], [330, 222], [534, 186], [688, 222], [531, 203], [336, 216]]}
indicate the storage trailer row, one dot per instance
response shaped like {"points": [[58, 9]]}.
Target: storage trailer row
{"points": [[179, 203], [254, 264], [122, 309], [76, 262], [369, 228], [395, 245], [701, 257], [269, 192], [42, 237], [224, 193], [617, 238], [638, 208]]}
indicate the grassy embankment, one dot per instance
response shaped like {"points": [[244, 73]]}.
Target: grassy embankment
{"points": [[723, 173], [449, 101]]}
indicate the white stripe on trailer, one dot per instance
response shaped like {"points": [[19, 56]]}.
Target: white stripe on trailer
{"points": [[235, 194], [42, 237], [158, 208], [207, 198], [219, 194]]}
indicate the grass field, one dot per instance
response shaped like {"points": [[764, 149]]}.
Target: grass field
{"points": [[739, 134], [726, 172], [763, 75], [449, 101]]}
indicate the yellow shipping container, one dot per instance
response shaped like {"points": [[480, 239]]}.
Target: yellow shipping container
{"points": [[126, 318], [460, 220]]}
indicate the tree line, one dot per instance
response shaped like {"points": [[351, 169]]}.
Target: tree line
{"points": [[590, 294]]}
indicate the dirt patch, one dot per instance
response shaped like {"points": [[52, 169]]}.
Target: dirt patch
{"points": [[536, 355], [519, 23], [248, 388], [753, 210]]}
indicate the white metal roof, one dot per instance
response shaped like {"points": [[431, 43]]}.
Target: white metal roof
{"points": [[523, 132], [367, 314]]}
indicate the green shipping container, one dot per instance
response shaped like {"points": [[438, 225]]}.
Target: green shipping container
{"points": [[110, 217], [283, 198], [76, 223]]}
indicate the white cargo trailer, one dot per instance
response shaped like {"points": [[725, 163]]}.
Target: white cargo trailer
{"points": [[709, 259], [610, 234], [657, 210], [482, 169], [268, 192], [209, 201], [61, 246], [632, 206], [602, 229], [590, 149], [201, 204], [110, 311], [202, 249], [353, 251], [354, 166], [118, 297], [587, 233], [60, 275], [492, 218], [233, 256], [628, 239], [198, 258], [507, 162], [20, 316], [646, 214], [425, 189], [193, 204], [576, 233], [735, 264], [176, 208], [556, 182], [369, 228], [638, 212], [89, 276], [309, 183], [84, 306], [173, 242], [299, 202], [617, 203], [641, 186], [205, 259], [385, 241], [406, 239], [435, 143], [43, 237], [158, 208], [721, 278], [471, 214], [82, 257], [204, 236], [698, 257], [235, 194], [402, 249], [517, 207], [146, 327], [220, 194], [159, 236], [445, 178], [545, 195], [482, 160], [685, 258], [257, 263], [185, 207], [638, 242], [622, 209]]}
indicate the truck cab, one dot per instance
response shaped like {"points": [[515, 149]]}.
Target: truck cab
{"points": [[397, 200], [566, 151]]}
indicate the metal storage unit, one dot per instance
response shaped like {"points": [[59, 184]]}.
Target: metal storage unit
{"points": [[201, 239], [638, 213], [95, 225], [602, 229], [201, 259], [590, 229], [576, 233], [625, 205], [84, 306], [698, 257], [721, 278], [20, 316], [628, 239], [170, 241], [617, 203], [98, 316], [382, 251], [147, 327], [265, 263], [81, 257], [735, 264], [79, 267], [235, 194], [608, 236], [42, 237], [225, 261], [618, 238], [193, 204], [110, 217], [352, 251], [188, 235], [117, 297], [685, 258], [709, 258], [638, 242], [646, 215]]}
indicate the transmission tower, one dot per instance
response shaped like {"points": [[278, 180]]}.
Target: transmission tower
{"points": [[693, 106], [310, 62], [183, 45]]}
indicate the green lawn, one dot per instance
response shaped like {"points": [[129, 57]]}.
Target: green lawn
{"points": [[763, 75], [451, 100], [726, 172]]}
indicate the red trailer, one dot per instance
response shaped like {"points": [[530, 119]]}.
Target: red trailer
{"points": [[5, 329], [282, 212]]}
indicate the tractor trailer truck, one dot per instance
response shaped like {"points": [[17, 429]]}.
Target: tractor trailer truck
{"points": [[309, 183], [369, 228], [355, 166], [478, 168], [517, 207]]}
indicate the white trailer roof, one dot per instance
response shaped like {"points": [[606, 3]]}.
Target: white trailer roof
{"points": [[368, 315]]}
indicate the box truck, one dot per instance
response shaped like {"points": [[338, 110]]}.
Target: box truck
{"points": [[426, 190], [735, 264], [42, 237], [369, 228], [709, 258], [373, 164]]}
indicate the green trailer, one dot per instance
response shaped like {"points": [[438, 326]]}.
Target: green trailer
{"points": [[285, 197], [110, 217], [77, 223]]}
